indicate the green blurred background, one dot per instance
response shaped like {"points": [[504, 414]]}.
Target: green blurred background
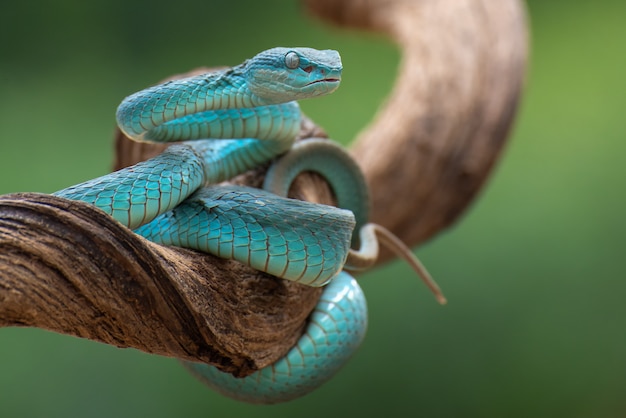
{"points": [[536, 320]]}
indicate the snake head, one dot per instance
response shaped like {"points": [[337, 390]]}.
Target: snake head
{"points": [[285, 74]]}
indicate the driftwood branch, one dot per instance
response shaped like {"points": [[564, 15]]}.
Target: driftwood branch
{"points": [[66, 267]]}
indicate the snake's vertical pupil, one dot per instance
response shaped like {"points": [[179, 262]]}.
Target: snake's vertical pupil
{"points": [[292, 60]]}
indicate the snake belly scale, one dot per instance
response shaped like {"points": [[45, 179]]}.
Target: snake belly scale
{"points": [[231, 121]]}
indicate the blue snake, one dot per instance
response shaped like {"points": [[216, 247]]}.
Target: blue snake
{"points": [[174, 199]]}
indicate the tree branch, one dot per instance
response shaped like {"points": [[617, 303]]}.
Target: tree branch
{"points": [[432, 146], [67, 267]]}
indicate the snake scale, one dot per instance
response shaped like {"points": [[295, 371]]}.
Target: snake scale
{"points": [[174, 199]]}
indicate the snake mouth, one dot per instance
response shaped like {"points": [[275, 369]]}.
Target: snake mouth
{"points": [[324, 80]]}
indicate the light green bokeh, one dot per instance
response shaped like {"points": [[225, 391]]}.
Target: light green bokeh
{"points": [[536, 319]]}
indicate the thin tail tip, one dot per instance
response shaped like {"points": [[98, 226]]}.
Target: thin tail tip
{"points": [[442, 300]]}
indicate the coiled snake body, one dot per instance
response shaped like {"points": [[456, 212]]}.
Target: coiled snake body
{"points": [[163, 200]]}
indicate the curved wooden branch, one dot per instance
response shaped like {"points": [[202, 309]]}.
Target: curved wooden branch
{"points": [[64, 266], [450, 112], [68, 267]]}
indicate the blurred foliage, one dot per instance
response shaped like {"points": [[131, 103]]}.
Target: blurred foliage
{"points": [[535, 324]]}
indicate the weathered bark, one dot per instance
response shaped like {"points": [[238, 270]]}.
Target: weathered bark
{"points": [[67, 267]]}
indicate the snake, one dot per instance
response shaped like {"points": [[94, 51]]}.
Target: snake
{"points": [[224, 123]]}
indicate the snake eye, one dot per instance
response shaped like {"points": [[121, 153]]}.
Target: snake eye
{"points": [[292, 60]]}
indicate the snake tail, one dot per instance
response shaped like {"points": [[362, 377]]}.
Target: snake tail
{"points": [[346, 180], [371, 236]]}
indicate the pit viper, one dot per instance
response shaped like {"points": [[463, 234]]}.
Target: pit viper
{"points": [[227, 122]]}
